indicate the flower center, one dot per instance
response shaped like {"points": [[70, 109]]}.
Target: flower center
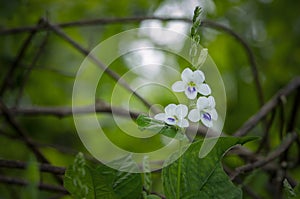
{"points": [[207, 116], [171, 119], [191, 87]]}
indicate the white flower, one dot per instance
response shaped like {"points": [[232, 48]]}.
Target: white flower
{"points": [[174, 115], [191, 84], [205, 111]]}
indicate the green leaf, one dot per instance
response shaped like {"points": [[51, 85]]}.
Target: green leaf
{"points": [[145, 122], [101, 182], [147, 174], [153, 197], [201, 177], [77, 178], [169, 131], [289, 192]]}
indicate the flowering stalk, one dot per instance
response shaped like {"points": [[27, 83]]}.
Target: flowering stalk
{"points": [[193, 84]]}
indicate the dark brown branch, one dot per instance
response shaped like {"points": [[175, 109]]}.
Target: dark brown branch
{"points": [[39, 52], [92, 22], [23, 135], [249, 52], [238, 180], [294, 112], [268, 107], [21, 132], [102, 66], [98, 108], [67, 111], [272, 156], [204, 23], [22, 165], [41, 186], [17, 60]]}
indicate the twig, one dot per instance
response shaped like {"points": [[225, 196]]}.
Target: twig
{"points": [[27, 72], [238, 180], [273, 155], [294, 112], [204, 23], [101, 65], [265, 141], [41, 186], [17, 60], [249, 52], [269, 106], [92, 22], [22, 165], [62, 149], [67, 111], [21, 132]]}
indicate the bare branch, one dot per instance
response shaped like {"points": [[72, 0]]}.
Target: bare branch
{"points": [[22, 165], [17, 60], [105, 21], [268, 107], [273, 155], [27, 73], [42, 186], [23, 135], [67, 111], [21, 132], [92, 22], [101, 65], [249, 52]]}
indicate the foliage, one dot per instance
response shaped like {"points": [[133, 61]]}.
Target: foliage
{"points": [[190, 176], [201, 177], [38, 95], [100, 182]]}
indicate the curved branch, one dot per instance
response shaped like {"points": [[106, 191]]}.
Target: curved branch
{"points": [[41, 186], [105, 21], [92, 22], [273, 155], [115, 76], [268, 107], [21, 132], [7, 79], [22, 165], [67, 111]]}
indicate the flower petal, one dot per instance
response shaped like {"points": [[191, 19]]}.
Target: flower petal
{"points": [[194, 115], [207, 123], [186, 75], [198, 77], [170, 109], [181, 111], [204, 89], [160, 116], [178, 86], [212, 102], [214, 114], [191, 92], [183, 123], [202, 103]]}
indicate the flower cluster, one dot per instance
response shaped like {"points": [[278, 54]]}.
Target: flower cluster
{"points": [[192, 83]]}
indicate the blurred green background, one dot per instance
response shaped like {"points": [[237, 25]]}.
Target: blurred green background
{"points": [[271, 28]]}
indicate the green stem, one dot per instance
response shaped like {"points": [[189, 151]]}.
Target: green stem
{"points": [[179, 172]]}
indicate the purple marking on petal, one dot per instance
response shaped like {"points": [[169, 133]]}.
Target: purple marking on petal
{"points": [[171, 119], [191, 89], [207, 116]]}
